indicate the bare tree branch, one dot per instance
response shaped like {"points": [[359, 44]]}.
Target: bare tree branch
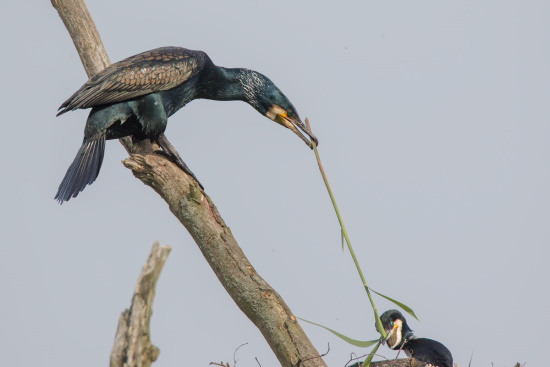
{"points": [[254, 296], [82, 30], [263, 306], [132, 347]]}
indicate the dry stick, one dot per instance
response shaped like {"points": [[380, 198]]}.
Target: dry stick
{"points": [[261, 304], [132, 347]]}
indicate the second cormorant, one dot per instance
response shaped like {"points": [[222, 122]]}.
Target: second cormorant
{"points": [[135, 97], [400, 336]]}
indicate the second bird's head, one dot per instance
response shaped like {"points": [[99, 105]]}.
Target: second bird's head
{"points": [[397, 329], [262, 94]]}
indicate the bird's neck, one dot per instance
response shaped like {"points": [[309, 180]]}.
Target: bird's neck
{"points": [[407, 333], [223, 84]]}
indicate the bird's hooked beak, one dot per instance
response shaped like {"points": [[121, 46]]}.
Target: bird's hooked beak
{"points": [[280, 116]]}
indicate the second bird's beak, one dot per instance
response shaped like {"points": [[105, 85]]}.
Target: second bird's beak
{"points": [[295, 124]]}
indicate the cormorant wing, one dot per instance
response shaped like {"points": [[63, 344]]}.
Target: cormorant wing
{"points": [[148, 72], [429, 351]]}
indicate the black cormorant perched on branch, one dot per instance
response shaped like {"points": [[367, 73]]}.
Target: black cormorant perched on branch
{"points": [[400, 336], [137, 95]]}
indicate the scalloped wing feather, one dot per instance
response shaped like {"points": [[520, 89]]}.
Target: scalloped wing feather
{"points": [[148, 72]]}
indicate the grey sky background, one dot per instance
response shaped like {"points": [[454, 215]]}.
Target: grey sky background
{"points": [[433, 121]]}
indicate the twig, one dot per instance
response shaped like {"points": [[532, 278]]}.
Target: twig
{"points": [[235, 354], [314, 357], [354, 357]]}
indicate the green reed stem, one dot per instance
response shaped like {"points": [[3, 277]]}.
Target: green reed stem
{"points": [[379, 327]]}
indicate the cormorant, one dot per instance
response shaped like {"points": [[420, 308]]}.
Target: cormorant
{"points": [[400, 336], [135, 96]]}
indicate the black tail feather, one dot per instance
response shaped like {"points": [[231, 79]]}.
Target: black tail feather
{"points": [[84, 169]]}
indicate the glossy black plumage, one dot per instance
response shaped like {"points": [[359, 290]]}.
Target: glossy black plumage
{"points": [[400, 336], [85, 167], [137, 95], [152, 71]]}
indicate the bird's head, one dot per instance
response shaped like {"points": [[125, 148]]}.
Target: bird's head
{"points": [[396, 329], [262, 94]]}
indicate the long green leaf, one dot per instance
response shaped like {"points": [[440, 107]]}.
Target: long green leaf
{"points": [[366, 362], [357, 343], [403, 306]]}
